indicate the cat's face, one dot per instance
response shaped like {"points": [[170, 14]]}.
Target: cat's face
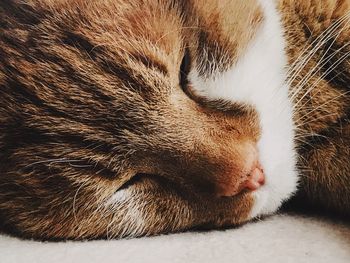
{"points": [[148, 117]]}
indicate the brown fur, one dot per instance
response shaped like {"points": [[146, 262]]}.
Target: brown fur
{"points": [[90, 97], [221, 35], [322, 117], [75, 94]]}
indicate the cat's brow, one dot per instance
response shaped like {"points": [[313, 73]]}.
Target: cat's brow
{"points": [[151, 63]]}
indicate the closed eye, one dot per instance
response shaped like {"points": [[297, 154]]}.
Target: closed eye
{"points": [[185, 69], [141, 179], [185, 83]]}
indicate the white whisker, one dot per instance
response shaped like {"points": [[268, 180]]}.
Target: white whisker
{"points": [[325, 74], [298, 66]]}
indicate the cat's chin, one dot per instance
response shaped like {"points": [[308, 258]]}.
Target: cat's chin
{"points": [[269, 198]]}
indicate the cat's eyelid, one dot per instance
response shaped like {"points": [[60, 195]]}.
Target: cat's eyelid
{"points": [[185, 69]]}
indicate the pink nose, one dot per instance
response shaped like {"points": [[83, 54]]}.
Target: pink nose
{"points": [[253, 181]]}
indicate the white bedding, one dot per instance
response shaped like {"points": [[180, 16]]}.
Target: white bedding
{"points": [[281, 238]]}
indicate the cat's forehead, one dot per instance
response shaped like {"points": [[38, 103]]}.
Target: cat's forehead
{"points": [[225, 29], [216, 32]]}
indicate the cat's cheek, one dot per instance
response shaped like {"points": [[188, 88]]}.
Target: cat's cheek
{"points": [[147, 208], [150, 209]]}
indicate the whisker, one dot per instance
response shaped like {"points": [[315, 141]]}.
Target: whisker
{"points": [[304, 105], [319, 39], [322, 105], [317, 67], [297, 66], [329, 70], [53, 161], [74, 202], [319, 118]]}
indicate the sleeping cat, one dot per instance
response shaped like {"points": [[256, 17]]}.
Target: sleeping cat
{"points": [[128, 118]]}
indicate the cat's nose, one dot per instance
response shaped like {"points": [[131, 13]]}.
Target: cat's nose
{"points": [[250, 182]]}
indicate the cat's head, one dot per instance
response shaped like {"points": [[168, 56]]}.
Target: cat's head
{"points": [[131, 118]]}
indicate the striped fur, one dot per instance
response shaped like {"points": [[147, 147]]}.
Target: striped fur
{"points": [[99, 136]]}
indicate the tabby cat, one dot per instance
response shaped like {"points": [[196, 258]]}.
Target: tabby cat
{"points": [[125, 118]]}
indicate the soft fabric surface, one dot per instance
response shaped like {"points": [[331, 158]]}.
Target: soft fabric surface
{"points": [[281, 238]]}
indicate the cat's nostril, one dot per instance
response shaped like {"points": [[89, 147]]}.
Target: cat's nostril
{"points": [[251, 182], [255, 180]]}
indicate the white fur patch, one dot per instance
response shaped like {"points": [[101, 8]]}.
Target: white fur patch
{"points": [[133, 222], [259, 79]]}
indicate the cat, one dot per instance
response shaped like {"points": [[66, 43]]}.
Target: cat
{"points": [[133, 118]]}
